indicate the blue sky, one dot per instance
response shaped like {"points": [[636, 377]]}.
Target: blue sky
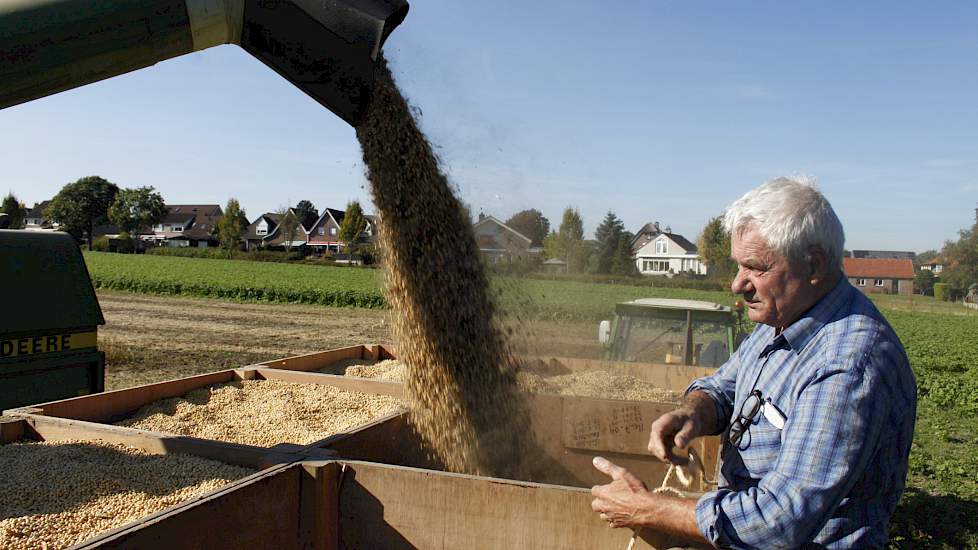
{"points": [[661, 111]]}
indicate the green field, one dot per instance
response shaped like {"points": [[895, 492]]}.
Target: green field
{"points": [[940, 507], [236, 279]]}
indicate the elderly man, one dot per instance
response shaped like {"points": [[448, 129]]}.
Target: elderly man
{"points": [[816, 407]]}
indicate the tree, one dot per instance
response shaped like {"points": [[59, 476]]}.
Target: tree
{"points": [[14, 210], [924, 281], [608, 236], [135, 209], [305, 207], [567, 243], [82, 205], [352, 225], [961, 260], [532, 224], [232, 225], [622, 262], [288, 224], [714, 250]]}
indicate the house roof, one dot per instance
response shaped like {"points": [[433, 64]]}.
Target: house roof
{"points": [[680, 241], [177, 213], [38, 210], [935, 261], [271, 218], [496, 220], [878, 268]]}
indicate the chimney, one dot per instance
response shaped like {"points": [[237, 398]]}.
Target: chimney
{"points": [[657, 227], [668, 230]]}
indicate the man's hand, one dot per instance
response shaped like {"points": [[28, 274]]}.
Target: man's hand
{"points": [[622, 501], [674, 429]]}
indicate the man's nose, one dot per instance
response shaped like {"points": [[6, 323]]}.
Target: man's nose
{"points": [[740, 283]]}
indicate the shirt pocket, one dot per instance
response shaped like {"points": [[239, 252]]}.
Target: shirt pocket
{"points": [[763, 446]]}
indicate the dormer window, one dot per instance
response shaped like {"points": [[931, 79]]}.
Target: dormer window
{"points": [[177, 228]]}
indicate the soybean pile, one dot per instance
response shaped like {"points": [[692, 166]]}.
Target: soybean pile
{"points": [[461, 376], [263, 412], [596, 383], [58, 494]]}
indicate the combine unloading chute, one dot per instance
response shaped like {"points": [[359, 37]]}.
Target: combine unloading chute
{"points": [[327, 48]]}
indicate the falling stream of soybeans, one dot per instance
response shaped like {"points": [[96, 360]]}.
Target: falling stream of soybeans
{"points": [[461, 376]]}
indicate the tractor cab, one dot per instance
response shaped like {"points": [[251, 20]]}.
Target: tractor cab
{"points": [[665, 330]]}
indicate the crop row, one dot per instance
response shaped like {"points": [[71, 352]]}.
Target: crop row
{"points": [[236, 280]]}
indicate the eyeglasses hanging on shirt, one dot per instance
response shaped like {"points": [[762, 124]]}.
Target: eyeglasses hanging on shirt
{"points": [[752, 405]]}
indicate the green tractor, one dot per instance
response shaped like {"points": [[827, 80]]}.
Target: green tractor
{"points": [[670, 331]]}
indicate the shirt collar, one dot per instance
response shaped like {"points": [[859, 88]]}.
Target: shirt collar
{"points": [[799, 333]]}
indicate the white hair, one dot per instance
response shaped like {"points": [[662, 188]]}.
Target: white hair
{"points": [[792, 215]]}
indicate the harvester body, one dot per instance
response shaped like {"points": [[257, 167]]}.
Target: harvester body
{"points": [[325, 48]]}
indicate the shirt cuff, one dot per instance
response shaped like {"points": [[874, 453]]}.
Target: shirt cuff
{"points": [[707, 516]]}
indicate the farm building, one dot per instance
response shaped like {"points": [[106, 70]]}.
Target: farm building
{"points": [[499, 242], [880, 276], [667, 253]]}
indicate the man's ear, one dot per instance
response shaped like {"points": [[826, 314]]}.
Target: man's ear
{"points": [[818, 265]]}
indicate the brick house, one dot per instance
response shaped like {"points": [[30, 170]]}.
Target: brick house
{"points": [[187, 225], [258, 230], [317, 233], [880, 276], [277, 237]]}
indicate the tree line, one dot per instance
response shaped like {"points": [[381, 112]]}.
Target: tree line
{"points": [[92, 201], [610, 252]]}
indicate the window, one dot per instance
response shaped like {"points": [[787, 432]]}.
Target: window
{"points": [[655, 265], [322, 230], [661, 246], [332, 231], [860, 282], [879, 282], [177, 228], [261, 231]]}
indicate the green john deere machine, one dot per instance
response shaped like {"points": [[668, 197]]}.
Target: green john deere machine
{"points": [[48, 329], [670, 331]]}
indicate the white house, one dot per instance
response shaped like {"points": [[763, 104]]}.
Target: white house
{"points": [[935, 266], [668, 254]]}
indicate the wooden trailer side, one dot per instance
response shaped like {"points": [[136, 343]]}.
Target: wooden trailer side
{"points": [[395, 507]]}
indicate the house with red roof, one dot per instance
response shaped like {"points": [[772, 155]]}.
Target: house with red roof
{"points": [[880, 276]]}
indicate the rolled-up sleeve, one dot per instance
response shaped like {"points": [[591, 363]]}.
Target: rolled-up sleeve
{"points": [[828, 439], [721, 387]]}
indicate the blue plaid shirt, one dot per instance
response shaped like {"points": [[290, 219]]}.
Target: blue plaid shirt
{"points": [[832, 476]]}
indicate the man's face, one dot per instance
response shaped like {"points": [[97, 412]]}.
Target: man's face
{"points": [[776, 292]]}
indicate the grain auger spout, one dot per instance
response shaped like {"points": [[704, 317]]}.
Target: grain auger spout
{"points": [[327, 48]]}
